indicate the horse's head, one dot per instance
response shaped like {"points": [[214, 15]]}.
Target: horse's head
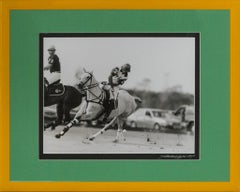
{"points": [[85, 78]]}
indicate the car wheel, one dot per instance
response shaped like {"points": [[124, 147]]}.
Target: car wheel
{"points": [[157, 126], [133, 124]]}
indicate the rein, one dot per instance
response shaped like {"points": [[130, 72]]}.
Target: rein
{"points": [[97, 99]]}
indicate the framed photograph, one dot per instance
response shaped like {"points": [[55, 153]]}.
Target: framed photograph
{"points": [[119, 96], [163, 121]]}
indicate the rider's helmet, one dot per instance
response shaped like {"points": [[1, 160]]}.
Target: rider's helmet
{"points": [[52, 48], [126, 68]]}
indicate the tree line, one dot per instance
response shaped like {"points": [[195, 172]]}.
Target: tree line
{"points": [[163, 100]]}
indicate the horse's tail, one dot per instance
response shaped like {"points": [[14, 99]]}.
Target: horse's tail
{"points": [[137, 99]]}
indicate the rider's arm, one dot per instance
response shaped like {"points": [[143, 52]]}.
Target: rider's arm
{"points": [[47, 67], [123, 76]]}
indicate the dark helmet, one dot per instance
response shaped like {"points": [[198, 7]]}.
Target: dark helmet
{"points": [[126, 67]]}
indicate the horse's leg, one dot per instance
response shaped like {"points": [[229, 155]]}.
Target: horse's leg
{"points": [[59, 119], [119, 130], [59, 112], [66, 111], [74, 121], [122, 130], [71, 100], [47, 125]]}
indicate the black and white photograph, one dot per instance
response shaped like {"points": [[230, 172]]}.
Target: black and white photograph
{"points": [[119, 95]]}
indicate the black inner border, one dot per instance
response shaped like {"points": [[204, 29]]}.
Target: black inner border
{"points": [[196, 155]]}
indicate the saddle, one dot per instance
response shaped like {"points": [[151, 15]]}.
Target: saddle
{"points": [[106, 101], [56, 89]]}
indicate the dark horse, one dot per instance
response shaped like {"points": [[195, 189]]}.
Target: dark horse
{"points": [[66, 100]]}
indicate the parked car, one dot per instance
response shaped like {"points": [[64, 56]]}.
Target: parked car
{"points": [[173, 122], [147, 118], [186, 116]]}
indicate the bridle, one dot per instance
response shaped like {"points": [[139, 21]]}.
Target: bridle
{"points": [[97, 99], [86, 87]]}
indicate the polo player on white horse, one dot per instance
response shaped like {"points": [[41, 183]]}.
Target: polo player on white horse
{"points": [[115, 80], [94, 105]]}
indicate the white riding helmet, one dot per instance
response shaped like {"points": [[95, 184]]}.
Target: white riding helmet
{"points": [[52, 48]]}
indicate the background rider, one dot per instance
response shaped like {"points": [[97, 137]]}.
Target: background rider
{"points": [[53, 66]]}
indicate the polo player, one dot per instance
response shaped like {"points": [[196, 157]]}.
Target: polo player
{"points": [[53, 66], [116, 78]]}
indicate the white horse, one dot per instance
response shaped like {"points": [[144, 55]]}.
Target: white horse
{"points": [[93, 106]]}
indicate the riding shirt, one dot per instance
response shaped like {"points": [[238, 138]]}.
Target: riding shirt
{"points": [[123, 76], [55, 64], [117, 77]]}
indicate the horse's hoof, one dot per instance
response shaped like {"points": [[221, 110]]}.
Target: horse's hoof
{"points": [[87, 141], [115, 141], [57, 136], [91, 138]]}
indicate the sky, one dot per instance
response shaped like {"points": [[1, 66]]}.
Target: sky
{"points": [[164, 61]]}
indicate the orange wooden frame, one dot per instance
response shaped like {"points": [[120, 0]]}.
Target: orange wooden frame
{"points": [[232, 5]]}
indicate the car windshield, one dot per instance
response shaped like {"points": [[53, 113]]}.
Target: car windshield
{"points": [[158, 114]]}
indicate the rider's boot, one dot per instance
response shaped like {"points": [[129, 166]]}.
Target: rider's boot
{"points": [[110, 106], [108, 110]]}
